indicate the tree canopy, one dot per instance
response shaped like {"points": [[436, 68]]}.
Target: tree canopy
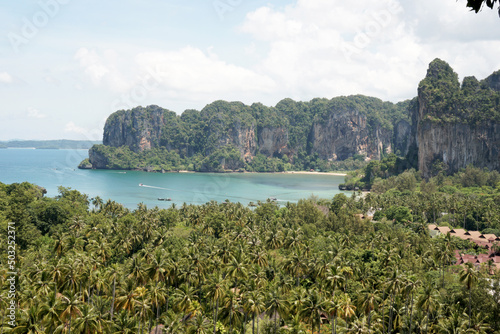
{"points": [[476, 5]]}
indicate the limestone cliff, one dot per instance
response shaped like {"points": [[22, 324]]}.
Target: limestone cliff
{"points": [[458, 145], [458, 126], [273, 141], [139, 128], [334, 129], [346, 133]]}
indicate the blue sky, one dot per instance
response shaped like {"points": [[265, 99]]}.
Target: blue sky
{"points": [[66, 65]]}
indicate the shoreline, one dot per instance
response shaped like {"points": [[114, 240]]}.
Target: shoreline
{"points": [[287, 172], [219, 172], [316, 173]]}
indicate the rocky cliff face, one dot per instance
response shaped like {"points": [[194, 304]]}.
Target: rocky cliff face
{"points": [[273, 141], [458, 145], [451, 125], [341, 131], [97, 159], [140, 128], [402, 137], [345, 134]]}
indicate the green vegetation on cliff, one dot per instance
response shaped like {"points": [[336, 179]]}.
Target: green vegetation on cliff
{"points": [[265, 138], [227, 158], [474, 102]]}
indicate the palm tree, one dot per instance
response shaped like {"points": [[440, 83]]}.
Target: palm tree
{"points": [[157, 296], [296, 264], [334, 279], [237, 268], [143, 309], [253, 304], [275, 306], [49, 312], [393, 286], [215, 291], [137, 271], [185, 297], [469, 277], [231, 308], [70, 306], [368, 302], [29, 322], [428, 302], [333, 308], [313, 309], [296, 326], [199, 325], [347, 308], [410, 286], [127, 297], [113, 273], [123, 323], [88, 322], [454, 323]]}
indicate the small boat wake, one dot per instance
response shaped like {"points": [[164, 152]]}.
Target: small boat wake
{"points": [[146, 186]]}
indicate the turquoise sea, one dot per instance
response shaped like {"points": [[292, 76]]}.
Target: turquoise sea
{"points": [[53, 168]]}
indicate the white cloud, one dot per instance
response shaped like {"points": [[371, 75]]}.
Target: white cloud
{"points": [[191, 70], [188, 75], [94, 133], [311, 48], [6, 78], [71, 127], [328, 48], [35, 113], [103, 69]]}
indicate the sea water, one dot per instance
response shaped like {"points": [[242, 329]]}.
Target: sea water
{"points": [[51, 169]]}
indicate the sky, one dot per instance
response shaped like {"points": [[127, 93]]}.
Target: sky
{"points": [[66, 65]]}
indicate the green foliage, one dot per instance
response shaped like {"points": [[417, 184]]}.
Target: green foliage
{"points": [[200, 140], [376, 170], [445, 101], [314, 265], [476, 5]]}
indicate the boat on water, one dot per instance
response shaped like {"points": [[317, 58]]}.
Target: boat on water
{"points": [[140, 184], [168, 199]]}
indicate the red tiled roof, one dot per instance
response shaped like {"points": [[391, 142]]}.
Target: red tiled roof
{"points": [[474, 234], [483, 258], [482, 243], [432, 227], [443, 229], [467, 260], [458, 231]]}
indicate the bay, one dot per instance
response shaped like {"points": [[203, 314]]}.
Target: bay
{"points": [[53, 168]]}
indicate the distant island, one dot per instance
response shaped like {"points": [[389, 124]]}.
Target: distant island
{"points": [[447, 126], [50, 144]]}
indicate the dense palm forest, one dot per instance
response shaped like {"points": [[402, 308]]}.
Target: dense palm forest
{"points": [[92, 266]]}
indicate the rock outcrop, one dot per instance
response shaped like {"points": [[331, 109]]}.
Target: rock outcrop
{"points": [[334, 129], [273, 141], [458, 145], [457, 126], [452, 124], [139, 128], [345, 134]]}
